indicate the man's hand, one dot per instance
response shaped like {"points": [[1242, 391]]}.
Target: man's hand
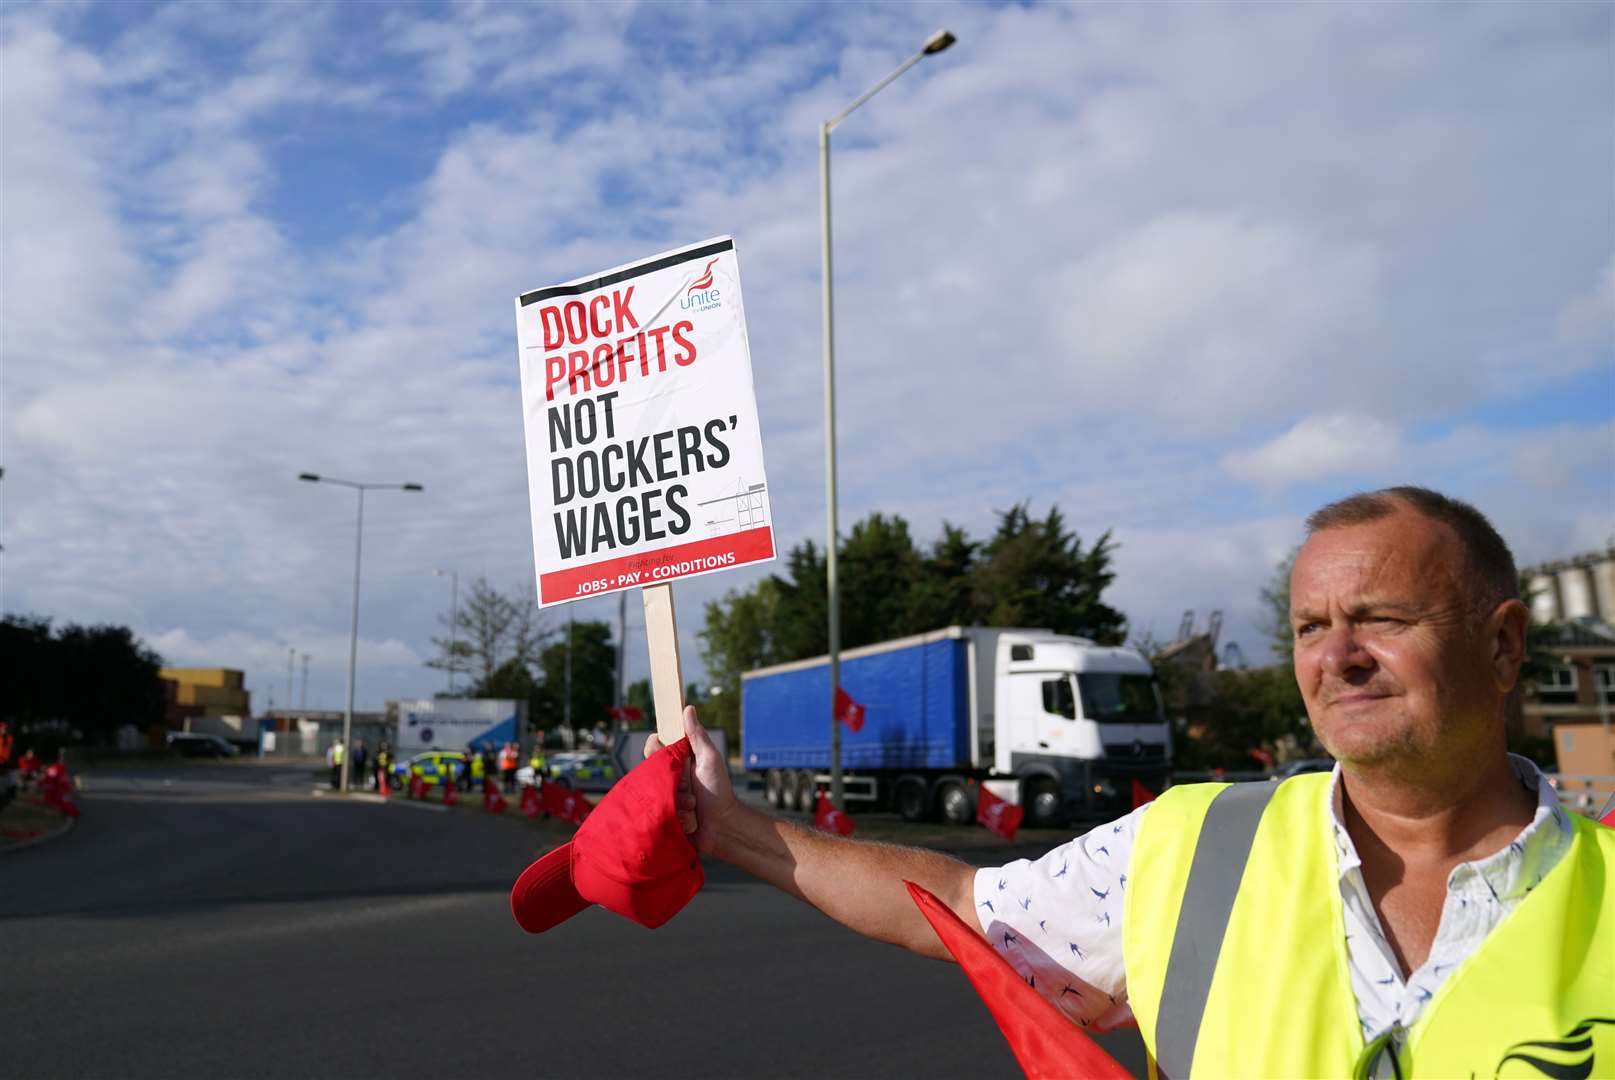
{"points": [[705, 796]]}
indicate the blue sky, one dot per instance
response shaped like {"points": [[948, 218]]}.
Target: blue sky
{"points": [[1186, 271]]}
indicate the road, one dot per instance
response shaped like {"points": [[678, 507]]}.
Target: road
{"points": [[223, 921]]}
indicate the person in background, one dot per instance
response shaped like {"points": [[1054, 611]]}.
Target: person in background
{"points": [[508, 756], [333, 758], [358, 771]]}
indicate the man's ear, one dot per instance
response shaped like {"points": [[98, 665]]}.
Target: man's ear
{"points": [[1505, 637]]}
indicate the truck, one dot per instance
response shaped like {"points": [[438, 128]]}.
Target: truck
{"points": [[1057, 724]]}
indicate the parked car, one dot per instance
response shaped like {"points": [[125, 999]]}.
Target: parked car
{"points": [[435, 765], [576, 769], [195, 744]]}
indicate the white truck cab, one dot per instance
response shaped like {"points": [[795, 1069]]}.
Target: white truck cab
{"points": [[1075, 723]]}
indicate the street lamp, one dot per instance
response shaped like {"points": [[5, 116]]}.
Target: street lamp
{"points": [[353, 637], [454, 619], [933, 45]]}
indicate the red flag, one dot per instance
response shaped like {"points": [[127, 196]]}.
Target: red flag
{"points": [[1044, 1042], [998, 815], [566, 804], [492, 800], [828, 818], [848, 711], [1141, 794]]}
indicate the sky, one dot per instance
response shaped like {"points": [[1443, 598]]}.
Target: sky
{"points": [[1186, 271]]}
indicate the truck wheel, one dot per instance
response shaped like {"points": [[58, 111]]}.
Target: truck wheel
{"points": [[807, 791], [789, 780], [908, 798], [774, 789], [955, 804], [1042, 801]]}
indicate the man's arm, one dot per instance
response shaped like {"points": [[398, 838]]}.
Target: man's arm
{"points": [[858, 884]]}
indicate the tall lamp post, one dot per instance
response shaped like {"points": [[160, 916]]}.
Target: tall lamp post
{"points": [[933, 45], [353, 637]]}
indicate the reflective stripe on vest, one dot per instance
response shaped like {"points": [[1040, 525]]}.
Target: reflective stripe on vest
{"points": [[1541, 986]]}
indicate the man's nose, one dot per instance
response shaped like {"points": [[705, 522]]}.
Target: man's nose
{"points": [[1342, 651]]}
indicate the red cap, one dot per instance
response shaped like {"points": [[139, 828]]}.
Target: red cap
{"points": [[630, 855]]}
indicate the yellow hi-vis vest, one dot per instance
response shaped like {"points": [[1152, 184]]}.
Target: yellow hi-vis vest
{"points": [[1259, 985]]}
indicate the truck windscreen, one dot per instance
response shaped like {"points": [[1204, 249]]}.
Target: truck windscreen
{"points": [[1112, 698]]}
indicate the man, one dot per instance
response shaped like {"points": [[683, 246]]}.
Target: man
{"points": [[1428, 909], [358, 776], [333, 758]]}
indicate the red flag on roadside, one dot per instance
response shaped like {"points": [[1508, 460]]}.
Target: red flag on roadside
{"points": [[1141, 794], [828, 818], [492, 800], [999, 815], [1044, 1042], [848, 711], [566, 804]]}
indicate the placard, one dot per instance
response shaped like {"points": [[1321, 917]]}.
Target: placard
{"points": [[644, 459]]}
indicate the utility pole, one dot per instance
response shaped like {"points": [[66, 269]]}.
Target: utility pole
{"points": [[566, 705], [622, 645]]}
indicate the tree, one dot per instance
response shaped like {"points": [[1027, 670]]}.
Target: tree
{"points": [[740, 634], [879, 569], [94, 679], [593, 681], [487, 630], [1275, 624], [1035, 573], [944, 594]]}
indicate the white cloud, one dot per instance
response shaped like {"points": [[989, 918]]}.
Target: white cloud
{"points": [[1317, 447], [1589, 319]]}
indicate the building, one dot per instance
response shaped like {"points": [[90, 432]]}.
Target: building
{"points": [[193, 693], [1571, 697]]}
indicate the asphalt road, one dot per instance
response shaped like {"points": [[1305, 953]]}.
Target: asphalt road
{"points": [[221, 921]]}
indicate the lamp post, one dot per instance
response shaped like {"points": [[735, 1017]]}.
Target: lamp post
{"points": [[353, 636], [454, 620], [933, 45]]}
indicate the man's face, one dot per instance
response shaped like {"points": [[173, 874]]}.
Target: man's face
{"points": [[1388, 653]]}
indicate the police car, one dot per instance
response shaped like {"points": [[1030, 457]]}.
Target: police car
{"points": [[578, 770], [434, 766]]}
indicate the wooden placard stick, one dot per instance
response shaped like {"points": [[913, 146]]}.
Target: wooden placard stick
{"points": [[666, 672]]}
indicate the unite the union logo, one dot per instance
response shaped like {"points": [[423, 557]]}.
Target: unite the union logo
{"points": [[702, 295]]}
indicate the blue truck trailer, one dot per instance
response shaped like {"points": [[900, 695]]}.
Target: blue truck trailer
{"points": [[1055, 723]]}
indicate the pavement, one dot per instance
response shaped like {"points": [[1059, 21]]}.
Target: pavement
{"points": [[225, 921]]}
